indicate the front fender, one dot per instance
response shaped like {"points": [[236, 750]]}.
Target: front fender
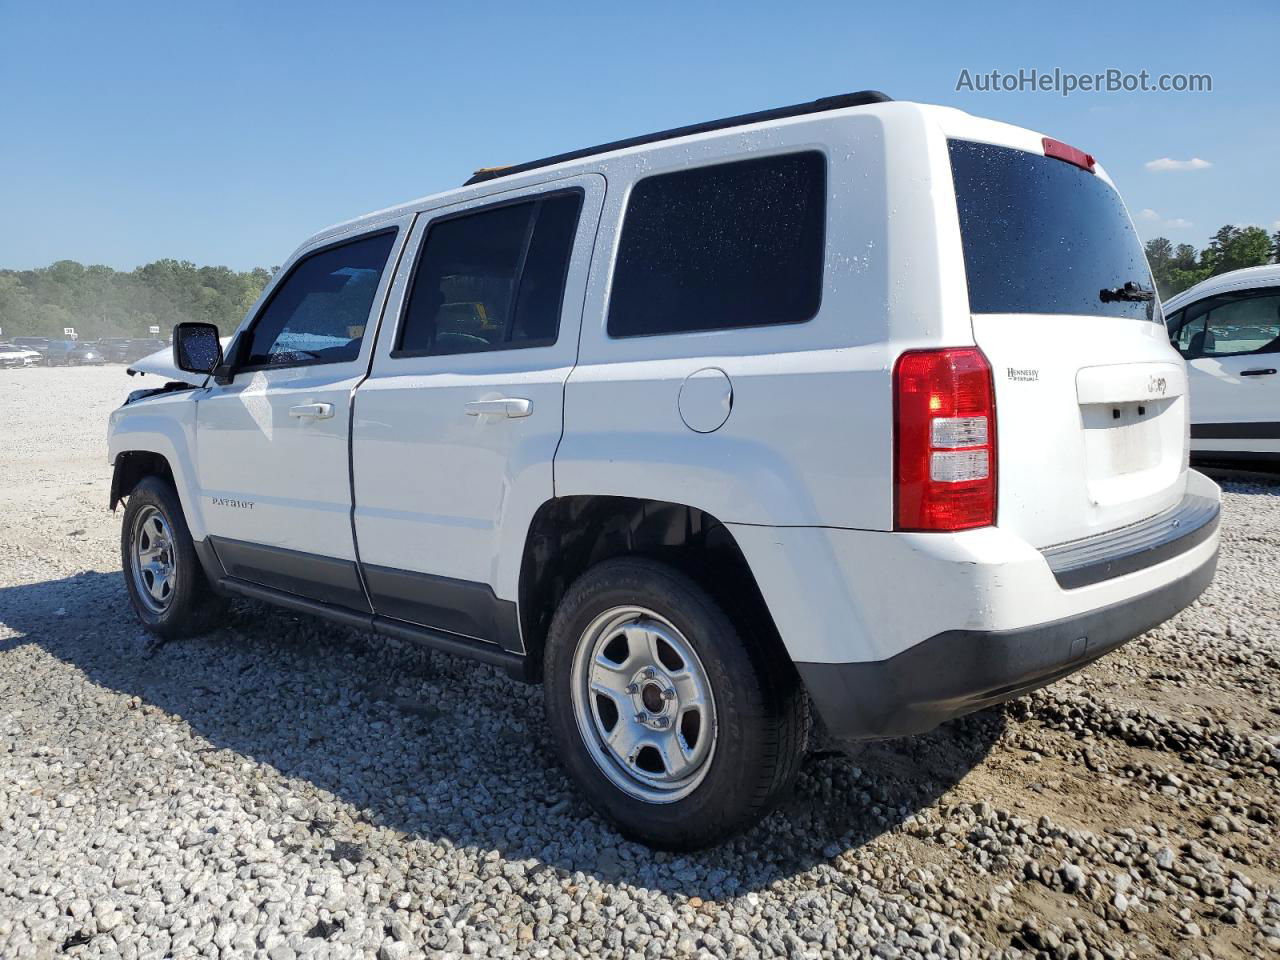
{"points": [[165, 426]]}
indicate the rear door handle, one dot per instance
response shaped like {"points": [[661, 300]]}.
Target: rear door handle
{"points": [[510, 407], [1261, 372], [312, 411]]}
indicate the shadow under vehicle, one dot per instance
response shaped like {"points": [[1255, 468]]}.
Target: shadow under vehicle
{"points": [[472, 763]]}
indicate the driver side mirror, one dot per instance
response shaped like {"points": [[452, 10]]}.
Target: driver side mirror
{"points": [[196, 347]]}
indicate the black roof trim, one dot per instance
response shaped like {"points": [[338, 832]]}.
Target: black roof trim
{"points": [[821, 105]]}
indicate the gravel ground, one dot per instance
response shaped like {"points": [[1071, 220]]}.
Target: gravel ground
{"points": [[286, 788]]}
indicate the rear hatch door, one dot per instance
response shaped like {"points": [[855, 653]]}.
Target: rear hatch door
{"points": [[1091, 400]]}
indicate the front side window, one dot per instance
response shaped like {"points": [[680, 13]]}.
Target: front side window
{"points": [[733, 245], [318, 312], [1231, 324], [491, 280]]}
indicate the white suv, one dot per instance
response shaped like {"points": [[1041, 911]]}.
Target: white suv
{"points": [[859, 403]]}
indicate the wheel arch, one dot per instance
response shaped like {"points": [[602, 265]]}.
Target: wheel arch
{"points": [[567, 535], [130, 467]]}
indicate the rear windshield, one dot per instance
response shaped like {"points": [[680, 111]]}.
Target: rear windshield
{"points": [[1044, 236]]}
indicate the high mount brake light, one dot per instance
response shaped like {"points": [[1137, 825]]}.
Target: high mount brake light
{"points": [[944, 440], [1064, 151]]}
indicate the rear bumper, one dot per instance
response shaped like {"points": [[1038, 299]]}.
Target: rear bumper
{"points": [[1135, 547], [959, 671]]}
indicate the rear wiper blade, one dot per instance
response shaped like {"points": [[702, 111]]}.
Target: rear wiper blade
{"points": [[1130, 291]]}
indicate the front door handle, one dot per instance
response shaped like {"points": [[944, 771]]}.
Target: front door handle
{"points": [[510, 407], [312, 411], [1261, 372]]}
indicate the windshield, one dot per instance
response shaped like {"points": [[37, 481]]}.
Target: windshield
{"points": [[1044, 236]]}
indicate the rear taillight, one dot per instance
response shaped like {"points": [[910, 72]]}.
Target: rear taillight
{"points": [[944, 440]]}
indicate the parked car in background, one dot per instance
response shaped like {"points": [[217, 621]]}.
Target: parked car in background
{"points": [[86, 354], [695, 435], [1228, 329], [12, 355], [114, 349], [39, 344], [70, 353], [57, 352]]}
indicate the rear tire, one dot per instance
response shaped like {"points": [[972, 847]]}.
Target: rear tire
{"points": [[677, 728], [166, 584]]}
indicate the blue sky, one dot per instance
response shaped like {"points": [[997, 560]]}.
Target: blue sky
{"points": [[226, 132]]}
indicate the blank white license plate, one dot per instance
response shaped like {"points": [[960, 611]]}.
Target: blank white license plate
{"points": [[1120, 440]]}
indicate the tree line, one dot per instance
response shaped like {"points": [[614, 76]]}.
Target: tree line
{"points": [[1177, 267], [98, 301]]}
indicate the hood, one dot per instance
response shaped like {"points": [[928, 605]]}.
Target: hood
{"points": [[160, 364]]}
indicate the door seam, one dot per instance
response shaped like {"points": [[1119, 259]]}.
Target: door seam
{"points": [[351, 410], [577, 353]]}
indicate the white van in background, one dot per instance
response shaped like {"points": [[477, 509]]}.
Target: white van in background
{"points": [[1228, 329]]}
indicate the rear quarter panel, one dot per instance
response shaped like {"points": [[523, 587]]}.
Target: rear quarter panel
{"points": [[809, 437]]}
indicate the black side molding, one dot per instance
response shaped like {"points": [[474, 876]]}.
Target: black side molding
{"points": [[290, 601], [303, 574], [1240, 459], [1260, 430], [1135, 547], [441, 640], [838, 102], [454, 606], [405, 602]]}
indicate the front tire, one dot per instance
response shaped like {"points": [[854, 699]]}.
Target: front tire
{"points": [[679, 729], [166, 584]]}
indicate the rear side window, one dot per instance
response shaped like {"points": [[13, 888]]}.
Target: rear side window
{"points": [[1044, 236], [733, 245], [318, 312], [491, 280]]}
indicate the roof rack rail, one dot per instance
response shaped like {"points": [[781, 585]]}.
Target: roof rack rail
{"points": [[821, 105]]}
